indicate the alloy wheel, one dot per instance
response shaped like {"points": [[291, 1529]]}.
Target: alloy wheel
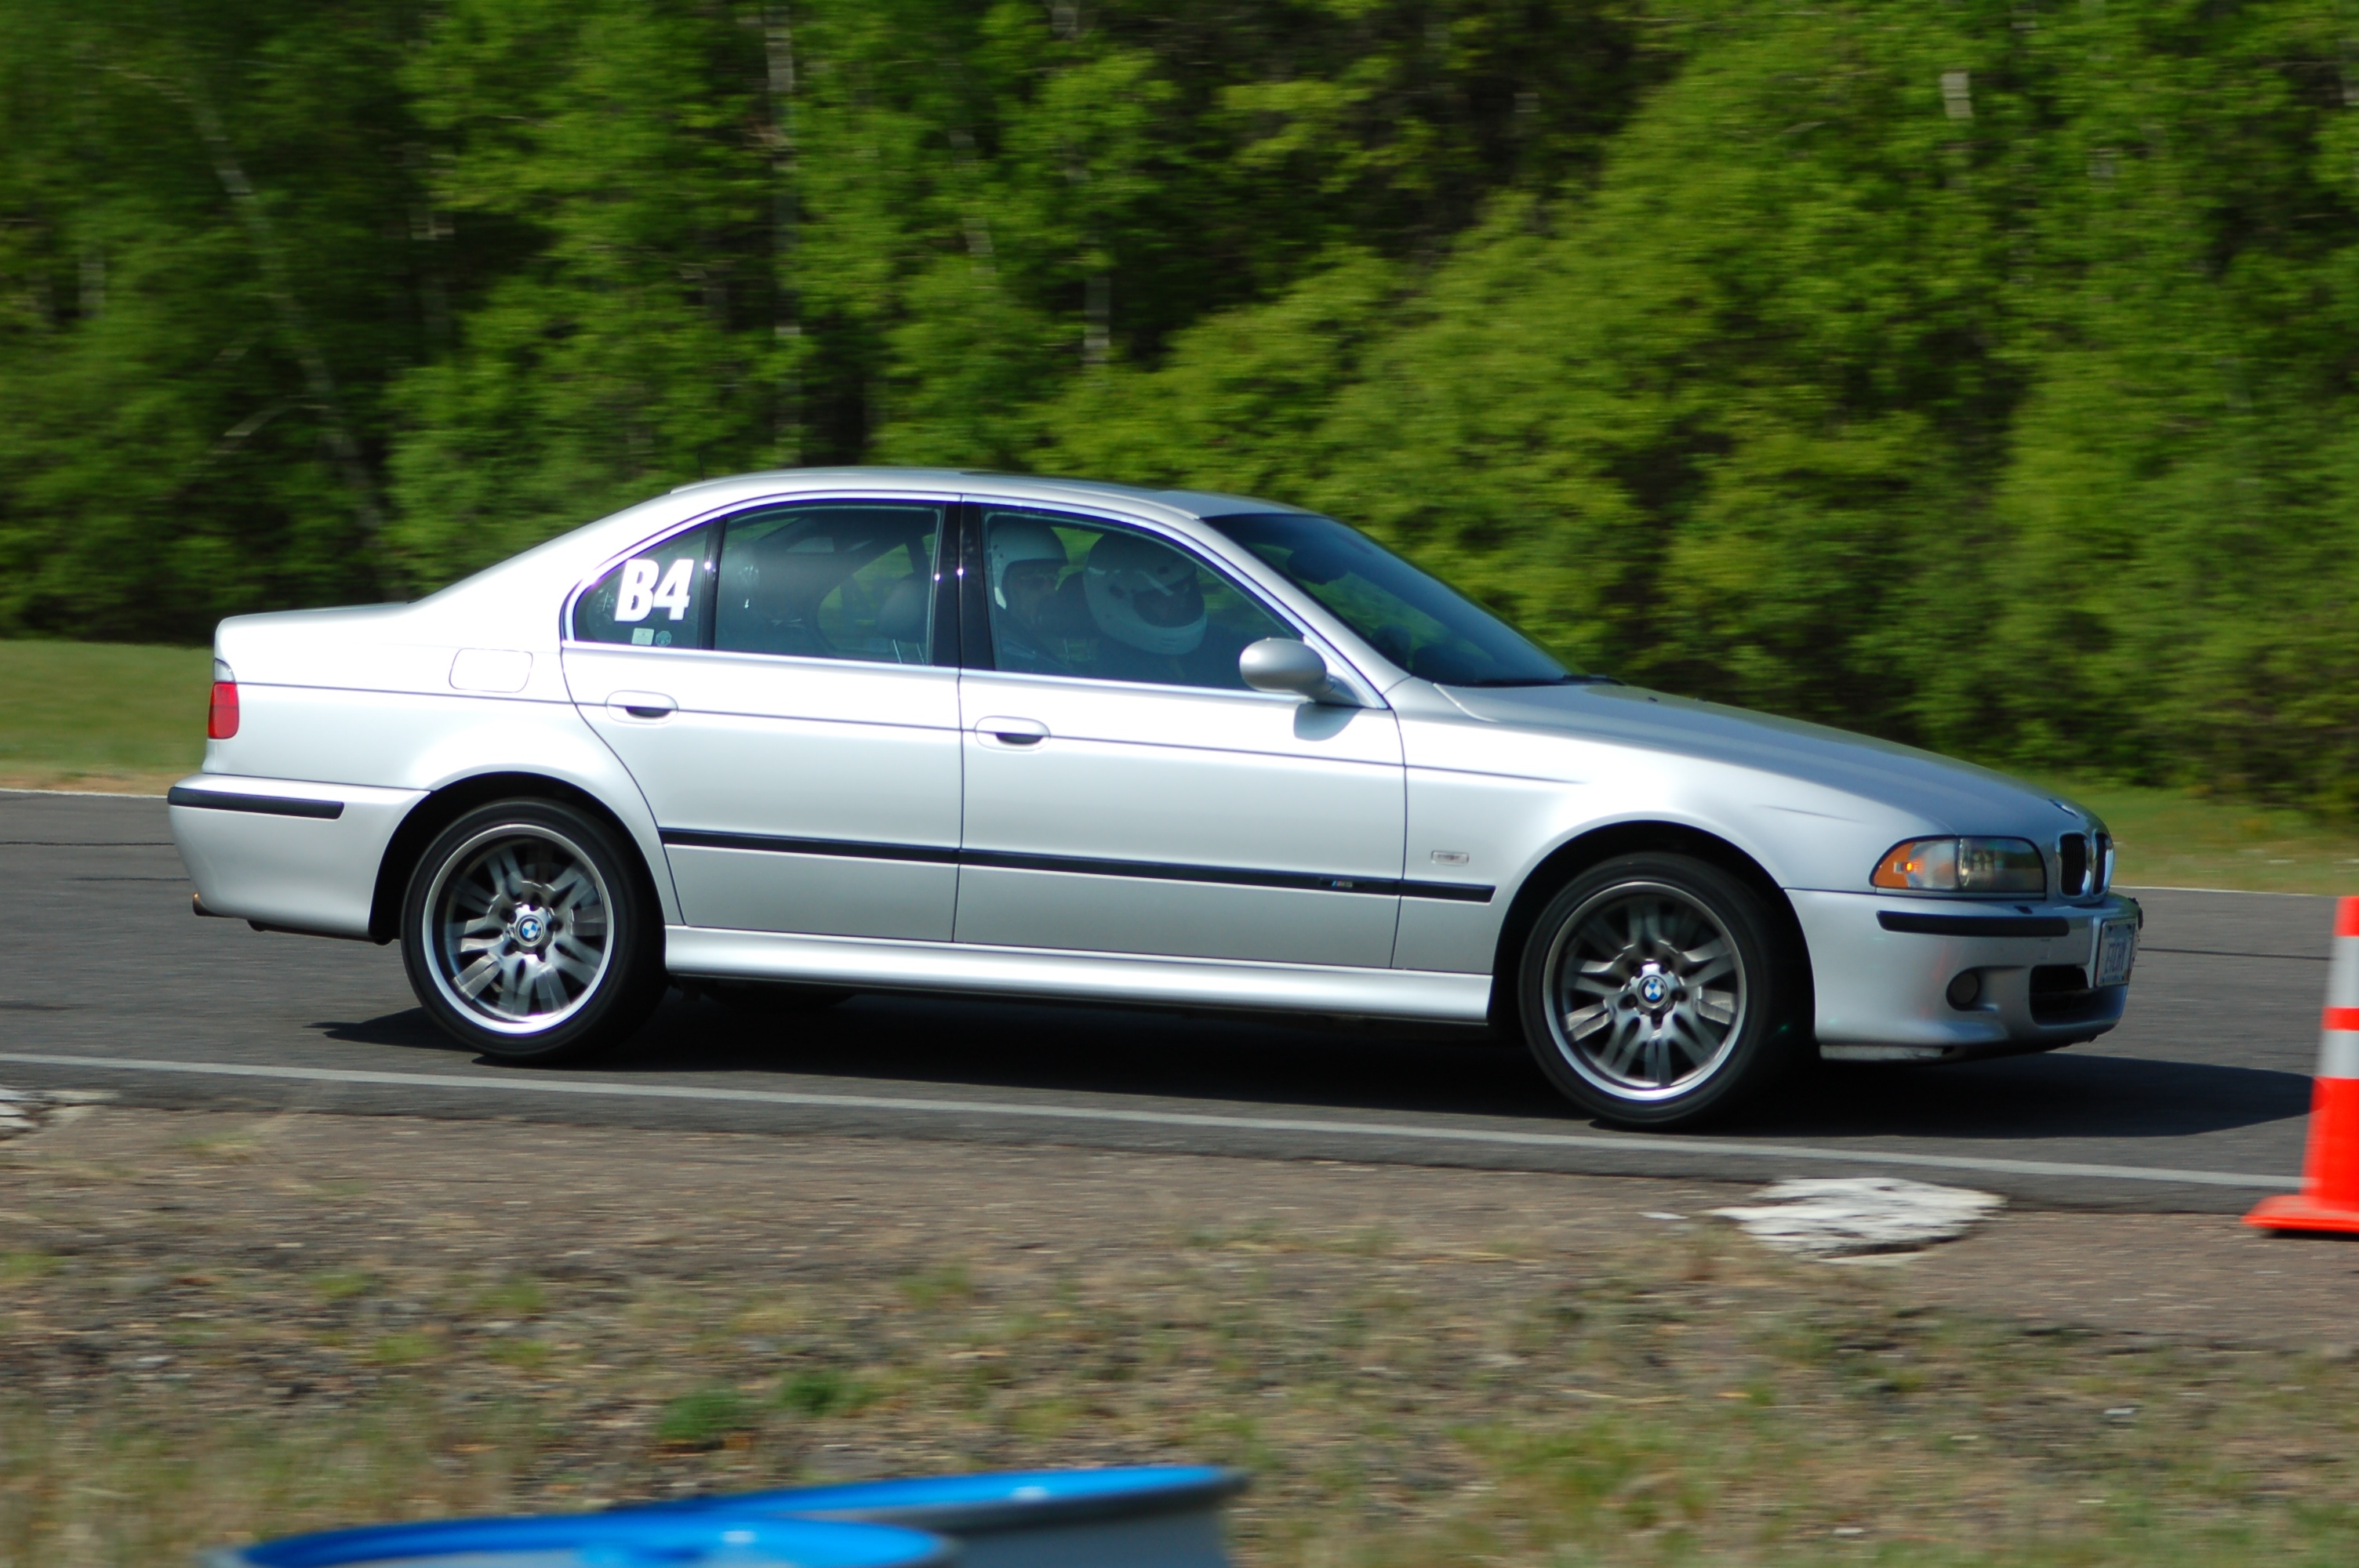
{"points": [[1647, 991], [519, 928]]}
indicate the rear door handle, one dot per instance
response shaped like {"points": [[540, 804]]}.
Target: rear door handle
{"points": [[1013, 732], [643, 704]]}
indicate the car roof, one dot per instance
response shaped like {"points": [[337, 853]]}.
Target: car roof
{"points": [[1196, 502]]}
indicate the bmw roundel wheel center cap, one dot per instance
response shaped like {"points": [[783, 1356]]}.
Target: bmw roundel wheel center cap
{"points": [[530, 927], [1652, 989]]}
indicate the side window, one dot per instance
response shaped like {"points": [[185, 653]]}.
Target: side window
{"points": [[832, 580], [1069, 597], [655, 600]]}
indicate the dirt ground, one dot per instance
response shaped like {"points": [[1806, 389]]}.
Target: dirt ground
{"points": [[216, 1325]]}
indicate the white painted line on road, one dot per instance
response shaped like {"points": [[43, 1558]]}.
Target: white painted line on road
{"points": [[1637, 1143]]}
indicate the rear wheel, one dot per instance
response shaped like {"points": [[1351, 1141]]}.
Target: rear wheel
{"points": [[1656, 989], [527, 937]]}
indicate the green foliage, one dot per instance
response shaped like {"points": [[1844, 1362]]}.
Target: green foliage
{"points": [[1979, 375]]}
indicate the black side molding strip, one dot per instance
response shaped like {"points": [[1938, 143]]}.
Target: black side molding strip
{"points": [[853, 848], [1075, 865], [1163, 871], [263, 805], [1975, 925], [1449, 892]]}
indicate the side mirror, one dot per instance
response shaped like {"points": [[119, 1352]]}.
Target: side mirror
{"points": [[1283, 665]]}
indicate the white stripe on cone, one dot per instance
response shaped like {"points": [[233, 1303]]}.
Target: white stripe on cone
{"points": [[2338, 1049]]}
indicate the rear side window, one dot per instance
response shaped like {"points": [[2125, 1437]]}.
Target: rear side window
{"points": [[655, 600], [831, 580]]}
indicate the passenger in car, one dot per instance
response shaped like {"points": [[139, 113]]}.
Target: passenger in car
{"points": [[1147, 607], [1025, 560], [1147, 602]]}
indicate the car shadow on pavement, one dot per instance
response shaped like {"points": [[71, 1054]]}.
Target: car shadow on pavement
{"points": [[2055, 1093], [1025, 1045], [1031, 1047], [410, 1028]]}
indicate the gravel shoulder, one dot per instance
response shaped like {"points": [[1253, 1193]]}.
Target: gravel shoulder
{"points": [[214, 1326]]}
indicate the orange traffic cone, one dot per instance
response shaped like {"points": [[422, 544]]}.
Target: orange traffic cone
{"points": [[2330, 1173]]}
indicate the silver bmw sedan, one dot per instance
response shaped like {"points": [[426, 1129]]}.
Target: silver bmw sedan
{"points": [[801, 734]]}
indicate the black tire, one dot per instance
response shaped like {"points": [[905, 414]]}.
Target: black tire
{"points": [[773, 999], [1658, 990], [531, 934]]}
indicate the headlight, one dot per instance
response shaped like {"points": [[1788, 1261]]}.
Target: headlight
{"points": [[1963, 865]]}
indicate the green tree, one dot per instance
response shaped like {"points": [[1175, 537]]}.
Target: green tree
{"points": [[198, 308]]}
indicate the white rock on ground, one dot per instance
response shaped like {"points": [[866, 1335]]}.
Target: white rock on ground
{"points": [[1845, 1215], [26, 1110]]}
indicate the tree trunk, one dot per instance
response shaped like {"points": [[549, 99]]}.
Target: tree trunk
{"points": [[1097, 311], [336, 431]]}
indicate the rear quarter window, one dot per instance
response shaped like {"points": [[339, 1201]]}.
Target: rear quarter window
{"points": [[657, 599]]}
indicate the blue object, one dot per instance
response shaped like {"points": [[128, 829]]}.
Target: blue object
{"points": [[1158, 1516], [636, 1537]]}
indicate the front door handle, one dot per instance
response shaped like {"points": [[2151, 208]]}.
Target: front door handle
{"points": [[1013, 732], [643, 704]]}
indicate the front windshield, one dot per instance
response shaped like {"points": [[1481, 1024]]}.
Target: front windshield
{"points": [[1419, 622]]}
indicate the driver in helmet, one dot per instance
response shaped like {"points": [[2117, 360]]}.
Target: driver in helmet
{"points": [[1148, 609], [1022, 563]]}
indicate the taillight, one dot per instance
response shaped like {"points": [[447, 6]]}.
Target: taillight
{"points": [[221, 717]]}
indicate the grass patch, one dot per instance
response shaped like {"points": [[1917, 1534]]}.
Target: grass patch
{"points": [[2174, 839], [706, 1419], [405, 1347], [818, 1391], [23, 1267], [518, 1295], [341, 1284], [100, 715], [236, 1144], [930, 1288], [521, 1352]]}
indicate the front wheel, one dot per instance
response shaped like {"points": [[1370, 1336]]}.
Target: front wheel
{"points": [[527, 937], [1656, 989]]}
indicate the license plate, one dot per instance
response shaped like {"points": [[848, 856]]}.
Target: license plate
{"points": [[2116, 951]]}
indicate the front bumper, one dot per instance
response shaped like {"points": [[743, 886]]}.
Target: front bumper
{"points": [[286, 853], [1881, 966]]}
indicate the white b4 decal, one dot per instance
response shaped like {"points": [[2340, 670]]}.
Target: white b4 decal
{"points": [[638, 591], [643, 594], [673, 594]]}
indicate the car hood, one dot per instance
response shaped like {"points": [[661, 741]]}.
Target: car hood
{"points": [[1964, 797]]}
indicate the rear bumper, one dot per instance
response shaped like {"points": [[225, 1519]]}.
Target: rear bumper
{"points": [[1881, 967], [286, 852]]}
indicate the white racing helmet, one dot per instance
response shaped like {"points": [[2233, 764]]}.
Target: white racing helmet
{"points": [[1018, 541], [1145, 594]]}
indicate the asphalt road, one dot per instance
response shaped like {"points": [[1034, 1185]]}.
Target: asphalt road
{"points": [[2197, 1102]]}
